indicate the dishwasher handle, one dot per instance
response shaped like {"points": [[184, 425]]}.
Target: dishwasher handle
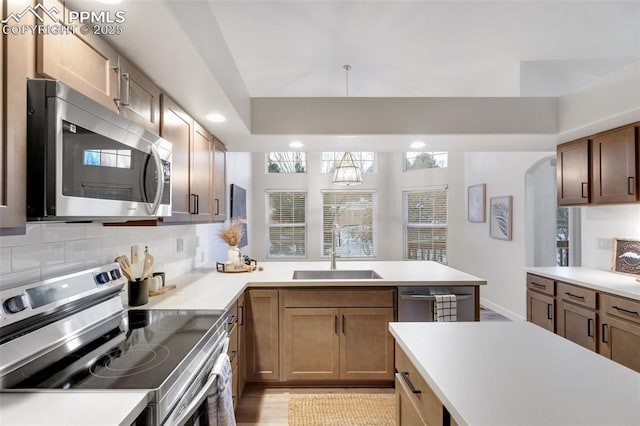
{"points": [[431, 297]]}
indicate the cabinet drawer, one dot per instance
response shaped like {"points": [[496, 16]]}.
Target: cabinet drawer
{"points": [[620, 307], [577, 295], [232, 317], [541, 284], [337, 298], [429, 406]]}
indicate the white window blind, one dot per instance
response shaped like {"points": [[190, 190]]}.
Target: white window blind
{"points": [[354, 212], [426, 225], [365, 160], [286, 223]]}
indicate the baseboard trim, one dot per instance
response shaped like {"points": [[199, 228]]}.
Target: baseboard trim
{"points": [[502, 311]]}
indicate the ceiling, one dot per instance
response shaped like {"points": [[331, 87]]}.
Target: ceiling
{"points": [[217, 55]]}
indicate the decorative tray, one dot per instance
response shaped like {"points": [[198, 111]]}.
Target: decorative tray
{"points": [[231, 269]]}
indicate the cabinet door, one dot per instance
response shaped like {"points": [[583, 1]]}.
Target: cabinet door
{"points": [[310, 344], [263, 362], [219, 204], [407, 410], [614, 166], [13, 123], [541, 310], [366, 346], [577, 324], [620, 341], [84, 62], [573, 170], [200, 174], [138, 97], [177, 127]]}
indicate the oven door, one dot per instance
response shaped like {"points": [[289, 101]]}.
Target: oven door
{"points": [[106, 167], [198, 406]]}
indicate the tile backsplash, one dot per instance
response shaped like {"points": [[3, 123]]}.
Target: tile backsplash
{"points": [[50, 249]]}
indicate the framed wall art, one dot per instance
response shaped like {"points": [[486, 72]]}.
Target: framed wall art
{"points": [[626, 256], [500, 212], [476, 196]]}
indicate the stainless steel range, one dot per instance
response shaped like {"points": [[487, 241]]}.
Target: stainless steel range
{"points": [[73, 333]]}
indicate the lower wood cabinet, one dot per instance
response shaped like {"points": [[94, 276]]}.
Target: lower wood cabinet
{"points": [[620, 330], [337, 335], [337, 344], [541, 310], [262, 319], [577, 324], [242, 345], [416, 404]]}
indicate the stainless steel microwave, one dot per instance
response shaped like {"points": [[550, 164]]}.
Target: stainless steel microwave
{"points": [[85, 162]]}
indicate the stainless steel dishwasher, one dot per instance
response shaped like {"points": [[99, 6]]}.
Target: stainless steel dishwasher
{"points": [[415, 304]]}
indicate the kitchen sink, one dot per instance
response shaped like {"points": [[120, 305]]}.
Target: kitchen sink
{"points": [[365, 274]]}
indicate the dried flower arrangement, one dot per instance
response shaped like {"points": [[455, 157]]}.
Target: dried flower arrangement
{"points": [[231, 232]]}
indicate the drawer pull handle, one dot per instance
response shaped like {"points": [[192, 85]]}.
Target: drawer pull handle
{"points": [[336, 324], [233, 356], [604, 333], [535, 284], [589, 326], [549, 306], [625, 311], [405, 376], [344, 322], [232, 319], [241, 315], [574, 296]]}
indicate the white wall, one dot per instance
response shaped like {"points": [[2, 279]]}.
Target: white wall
{"points": [[499, 262], [541, 205], [600, 225]]}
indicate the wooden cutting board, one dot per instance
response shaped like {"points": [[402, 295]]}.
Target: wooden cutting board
{"points": [[163, 290]]}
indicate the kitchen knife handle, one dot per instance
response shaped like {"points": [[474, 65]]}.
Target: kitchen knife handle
{"points": [[405, 376]]}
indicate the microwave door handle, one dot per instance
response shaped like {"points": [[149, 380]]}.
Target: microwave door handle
{"points": [[160, 189]]}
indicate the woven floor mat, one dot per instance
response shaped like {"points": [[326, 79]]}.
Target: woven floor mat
{"points": [[342, 409]]}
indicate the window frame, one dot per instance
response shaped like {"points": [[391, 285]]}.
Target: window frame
{"points": [[357, 161], [268, 226], [405, 160], [407, 225], [266, 164], [374, 223]]}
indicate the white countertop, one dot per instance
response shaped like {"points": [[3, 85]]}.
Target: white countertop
{"points": [[619, 284], [205, 288], [79, 409], [516, 373]]}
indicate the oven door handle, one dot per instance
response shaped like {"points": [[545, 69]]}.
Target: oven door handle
{"points": [[160, 188], [186, 411]]}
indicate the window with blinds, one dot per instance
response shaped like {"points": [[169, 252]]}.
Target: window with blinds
{"points": [[354, 212], [426, 225], [286, 223]]}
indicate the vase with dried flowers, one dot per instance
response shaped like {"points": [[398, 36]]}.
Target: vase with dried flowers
{"points": [[231, 233]]}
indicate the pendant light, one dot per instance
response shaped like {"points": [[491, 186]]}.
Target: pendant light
{"points": [[347, 172]]}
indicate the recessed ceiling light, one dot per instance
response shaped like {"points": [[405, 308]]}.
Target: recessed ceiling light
{"points": [[216, 118], [417, 145], [296, 144]]}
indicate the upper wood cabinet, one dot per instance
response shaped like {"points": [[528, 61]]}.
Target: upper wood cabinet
{"points": [[573, 170], [14, 67], [614, 157], [191, 165], [219, 192], [600, 169], [137, 97], [86, 63]]}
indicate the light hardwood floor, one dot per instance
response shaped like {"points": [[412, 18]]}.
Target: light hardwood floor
{"points": [[270, 406]]}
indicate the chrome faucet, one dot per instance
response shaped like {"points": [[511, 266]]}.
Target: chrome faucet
{"points": [[335, 242]]}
